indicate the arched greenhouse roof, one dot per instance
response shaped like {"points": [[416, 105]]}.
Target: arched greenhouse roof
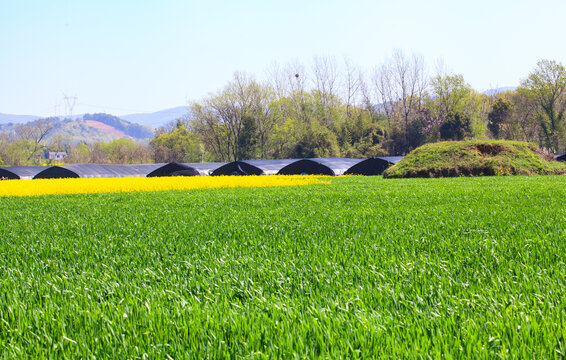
{"points": [[21, 172], [314, 166], [373, 166], [96, 171], [253, 167], [237, 168], [185, 169], [319, 166], [170, 168]]}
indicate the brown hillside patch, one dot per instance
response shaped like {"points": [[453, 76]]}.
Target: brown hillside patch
{"points": [[484, 149], [107, 128]]}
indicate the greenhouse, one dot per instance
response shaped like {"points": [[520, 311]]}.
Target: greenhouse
{"points": [[173, 168], [373, 166], [184, 169], [319, 166], [253, 167], [96, 171], [314, 166], [237, 168], [20, 172]]}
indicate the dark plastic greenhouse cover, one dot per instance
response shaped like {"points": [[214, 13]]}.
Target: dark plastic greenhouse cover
{"points": [[306, 167], [169, 169], [21, 172], [319, 166], [186, 172], [237, 168], [96, 170], [173, 169], [253, 167], [369, 167]]}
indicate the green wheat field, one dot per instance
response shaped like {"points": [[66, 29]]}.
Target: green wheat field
{"points": [[362, 267]]}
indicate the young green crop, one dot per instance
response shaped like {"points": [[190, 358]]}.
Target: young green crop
{"points": [[363, 267]]}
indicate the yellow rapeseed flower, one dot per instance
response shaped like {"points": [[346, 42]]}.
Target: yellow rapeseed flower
{"points": [[132, 184]]}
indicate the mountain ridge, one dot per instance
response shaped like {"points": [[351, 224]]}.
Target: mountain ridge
{"points": [[159, 118], [90, 128], [154, 119]]}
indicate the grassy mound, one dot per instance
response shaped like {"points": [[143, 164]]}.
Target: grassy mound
{"points": [[475, 158]]}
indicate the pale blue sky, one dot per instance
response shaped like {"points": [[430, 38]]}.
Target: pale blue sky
{"points": [[125, 56]]}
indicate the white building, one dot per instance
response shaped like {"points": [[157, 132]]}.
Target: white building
{"points": [[56, 155]]}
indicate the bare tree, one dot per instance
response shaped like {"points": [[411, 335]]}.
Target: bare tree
{"points": [[325, 82], [230, 120], [278, 79], [367, 97], [297, 78], [384, 89], [401, 84], [34, 134], [352, 86], [325, 76]]}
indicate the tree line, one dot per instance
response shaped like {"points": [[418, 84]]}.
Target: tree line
{"points": [[30, 145], [331, 109]]}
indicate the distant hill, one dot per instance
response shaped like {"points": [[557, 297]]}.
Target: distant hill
{"points": [[159, 118], [153, 120], [492, 92], [133, 130], [92, 128], [16, 119], [87, 131]]}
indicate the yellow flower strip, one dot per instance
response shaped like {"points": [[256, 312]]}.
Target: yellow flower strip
{"points": [[132, 184]]}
